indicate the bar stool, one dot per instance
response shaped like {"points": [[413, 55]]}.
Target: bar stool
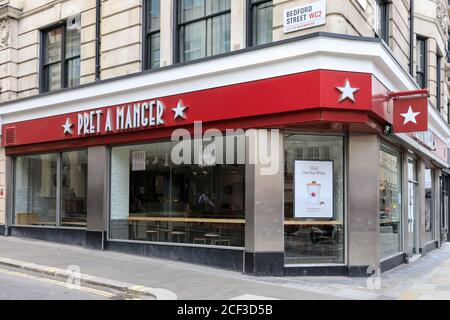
{"points": [[178, 234], [152, 234], [222, 242], [212, 237], [199, 241]]}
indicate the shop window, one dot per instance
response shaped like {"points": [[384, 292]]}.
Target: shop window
{"points": [[382, 19], [261, 13], [412, 231], [390, 202], [74, 189], [429, 207], [204, 28], [421, 62], [314, 208], [154, 199], [37, 180], [153, 34], [35, 190]]}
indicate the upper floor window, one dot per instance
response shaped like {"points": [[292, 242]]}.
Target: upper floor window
{"points": [[204, 28], [261, 21], [438, 81], [421, 62], [61, 56], [153, 33], [382, 19]]}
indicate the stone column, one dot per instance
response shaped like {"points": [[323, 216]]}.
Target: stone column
{"points": [[167, 33], [264, 197], [9, 31], [238, 24], [97, 201], [363, 222]]}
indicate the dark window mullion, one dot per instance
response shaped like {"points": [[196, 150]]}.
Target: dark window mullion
{"points": [[210, 16], [51, 64], [64, 81]]}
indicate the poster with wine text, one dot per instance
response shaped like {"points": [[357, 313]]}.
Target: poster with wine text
{"points": [[313, 189]]}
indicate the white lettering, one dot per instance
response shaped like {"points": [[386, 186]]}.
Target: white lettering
{"points": [[80, 123], [98, 114], [129, 123], [137, 115], [144, 119], [119, 118], [91, 122], [108, 127], [86, 123], [160, 112], [152, 117]]}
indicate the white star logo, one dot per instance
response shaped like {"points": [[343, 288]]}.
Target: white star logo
{"points": [[179, 110], [347, 91], [410, 116], [68, 126]]}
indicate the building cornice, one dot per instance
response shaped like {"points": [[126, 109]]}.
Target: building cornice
{"points": [[9, 11]]}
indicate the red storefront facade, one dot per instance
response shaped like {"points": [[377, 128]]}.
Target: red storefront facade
{"points": [[134, 197]]}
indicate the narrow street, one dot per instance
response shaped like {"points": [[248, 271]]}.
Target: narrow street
{"points": [[426, 278], [18, 285]]}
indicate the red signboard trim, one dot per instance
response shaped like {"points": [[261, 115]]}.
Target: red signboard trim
{"points": [[320, 95]]}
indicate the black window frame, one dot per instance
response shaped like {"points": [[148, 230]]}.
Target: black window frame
{"points": [[424, 61], [43, 81], [250, 6], [177, 25], [384, 20], [438, 81], [147, 35]]}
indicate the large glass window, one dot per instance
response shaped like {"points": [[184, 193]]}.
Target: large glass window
{"points": [[421, 62], [412, 235], [36, 183], [153, 199], [153, 25], [74, 189], [35, 190], [314, 240], [262, 21], [382, 19], [204, 28], [390, 202], [429, 207], [61, 56]]}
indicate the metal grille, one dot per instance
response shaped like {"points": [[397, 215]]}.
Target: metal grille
{"points": [[10, 135]]}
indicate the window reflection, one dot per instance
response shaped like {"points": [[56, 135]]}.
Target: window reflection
{"points": [[262, 21], [35, 190], [314, 240], [204, 28], [74, 189], [390, 202], [429, 221], [152, 199]]}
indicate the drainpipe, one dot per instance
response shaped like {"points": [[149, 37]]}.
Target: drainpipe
{"points": [[97, 39], [411, 37]]}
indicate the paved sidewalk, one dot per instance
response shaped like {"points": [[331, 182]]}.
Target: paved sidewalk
{"points": [[426, 278]]}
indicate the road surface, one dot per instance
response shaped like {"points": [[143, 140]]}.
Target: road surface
{"points": [[19, 285]]}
